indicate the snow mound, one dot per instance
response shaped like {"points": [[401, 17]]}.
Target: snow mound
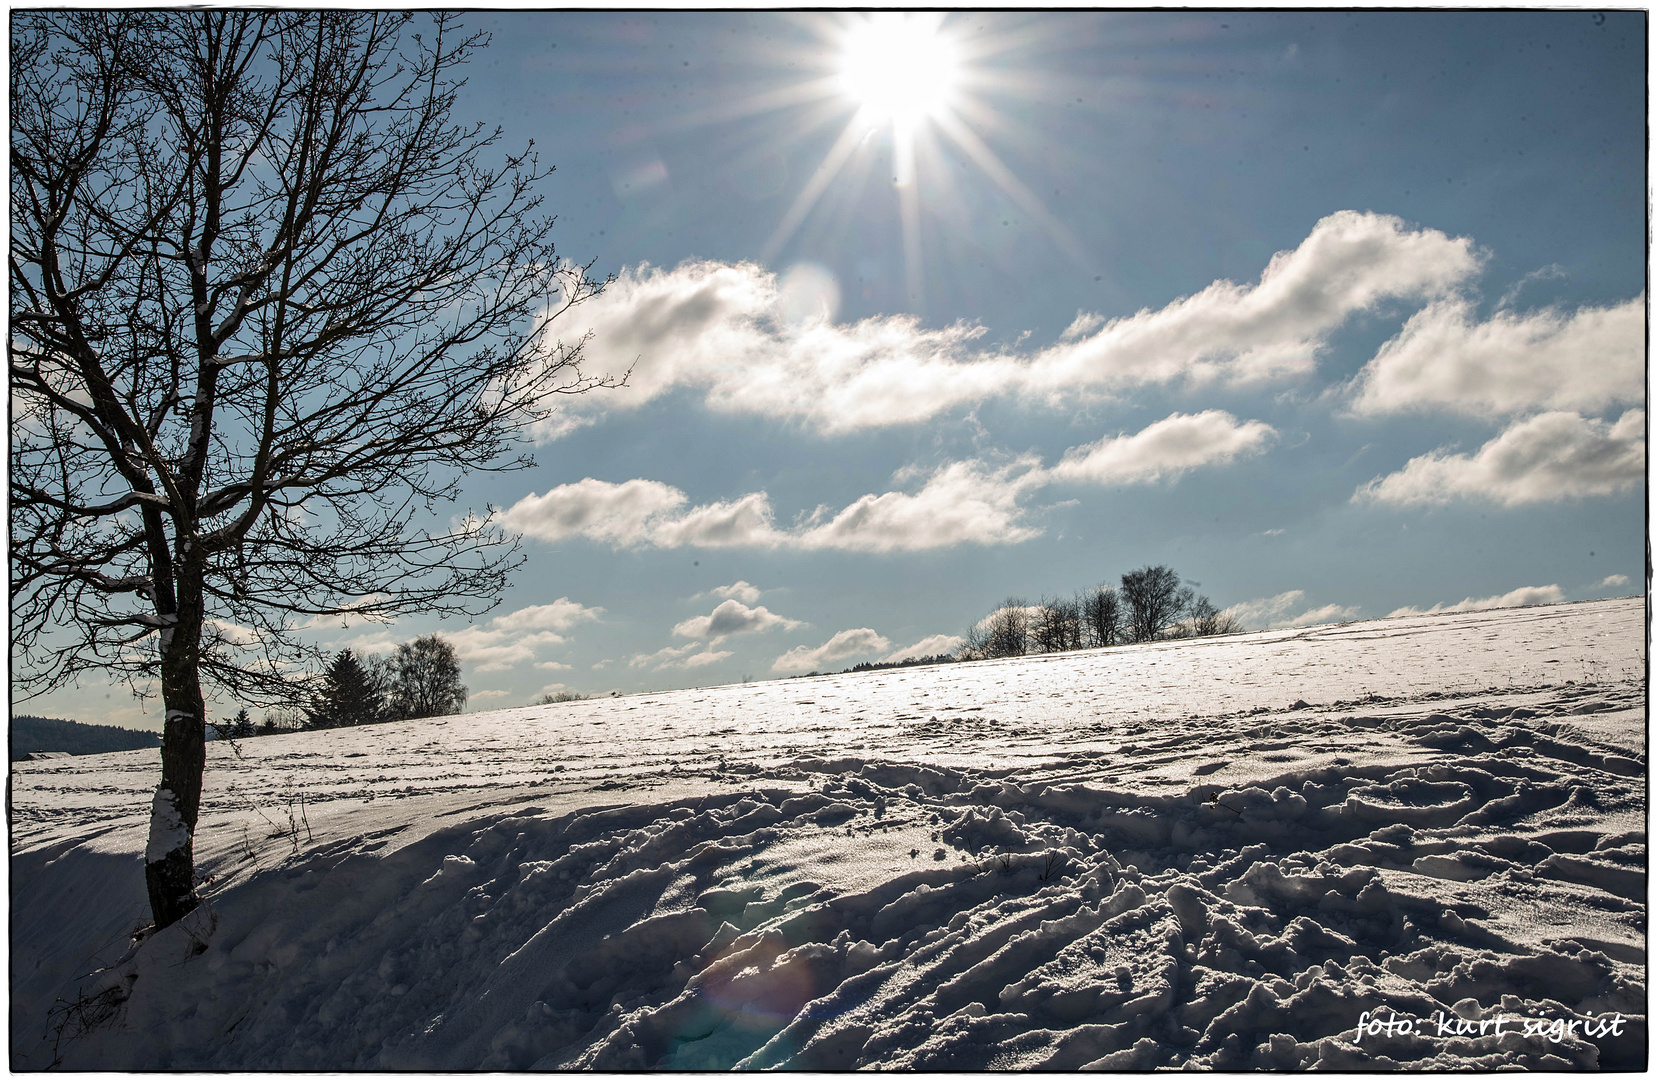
{"points": [[1446, 878]]}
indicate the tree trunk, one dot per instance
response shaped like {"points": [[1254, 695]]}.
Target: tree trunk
{"points": [[169, 860]]}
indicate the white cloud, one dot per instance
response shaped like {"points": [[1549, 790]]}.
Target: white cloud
{"points": [[744, 522], [376, 641], [1445, 358], [936, 645], [497, 650], [489, 693], [740, 590], [229, 633], [1550, 272], [1520, 597], [733, 617], [511, 639], [1272, 613], [1265, 612], [1328, 613], [722, 331], [961, 502], [1031, 611], [1085, 323], [1165, 449], [562, 614], [551, 665], [683, 657], [350, 614], [1554, 456], [846, 643], [1350, 263], [596, 509], [1613, 581]]}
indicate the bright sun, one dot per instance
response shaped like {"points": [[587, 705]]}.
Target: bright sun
{"points": [[915, 82], [899, 67]]}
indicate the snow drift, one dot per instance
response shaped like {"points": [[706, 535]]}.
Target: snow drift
{"points": [[1416, 842]]}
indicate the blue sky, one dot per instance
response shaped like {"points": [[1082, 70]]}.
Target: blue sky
{"points": [[1336, 314]]}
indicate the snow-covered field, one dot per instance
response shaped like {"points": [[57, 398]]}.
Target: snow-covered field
{"points": [[1416, 841]]}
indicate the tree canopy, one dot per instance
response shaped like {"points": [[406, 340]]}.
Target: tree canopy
{"points": [[269, 303]]}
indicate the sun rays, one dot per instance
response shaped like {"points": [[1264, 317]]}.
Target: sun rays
{"points": [[908, 78]]}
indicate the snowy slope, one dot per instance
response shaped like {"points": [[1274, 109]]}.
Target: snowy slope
{"points": [[1225, 853]]}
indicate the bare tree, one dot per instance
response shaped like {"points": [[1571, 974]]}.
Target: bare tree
{"points": [[1155, 601], [269, 302], [1101, 616], [1010, 629], [1185, 600], [1003, 632], [1206, 620], [1057, 625]]}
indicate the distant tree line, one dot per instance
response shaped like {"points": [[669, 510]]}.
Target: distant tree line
{"points": [[420, 678], [1151, 604], [37, 734], [913, 661]]}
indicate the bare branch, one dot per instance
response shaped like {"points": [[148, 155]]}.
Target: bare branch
{"points": [[270, 303]]}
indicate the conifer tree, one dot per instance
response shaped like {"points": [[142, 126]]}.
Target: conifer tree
{"points": [[349, 696]]}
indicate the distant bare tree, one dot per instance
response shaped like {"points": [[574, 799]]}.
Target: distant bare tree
{"points": [[1205, 620], [1010, 629], [1003, 632], [1185, 597], [1155, 601], [269, 303], [1057, 625], [1101, 616]]}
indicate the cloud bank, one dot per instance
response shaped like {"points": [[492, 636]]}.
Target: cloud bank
{"points": [[681, 657], [842, 646], [1520, 597], [1272, 613], [740, 590], [1445, 359], [725, 332], [1548, 458], [936, 645], [962, 502], [511, 639], [1164, 450], [733, 617]]}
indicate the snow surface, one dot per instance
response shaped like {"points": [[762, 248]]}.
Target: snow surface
{"points": [[1225, 853]]}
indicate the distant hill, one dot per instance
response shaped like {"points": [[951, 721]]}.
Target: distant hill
{"points": [[34, 734]]}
